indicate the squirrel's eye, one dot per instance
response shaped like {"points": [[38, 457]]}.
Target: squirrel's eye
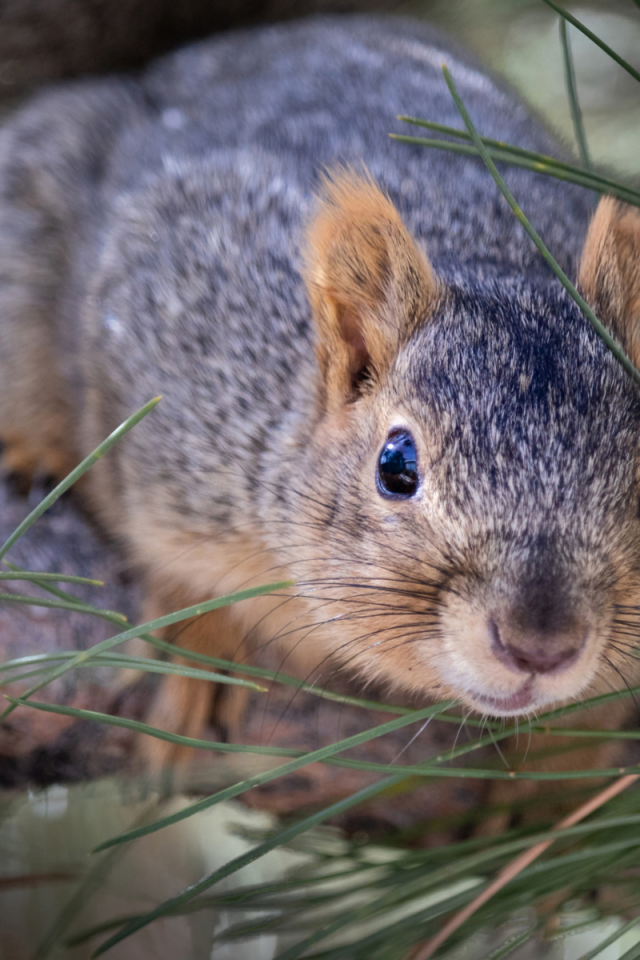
{"points": [[398, 465]]}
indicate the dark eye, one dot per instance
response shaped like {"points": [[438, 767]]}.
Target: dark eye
{"points": [[398, 465]]}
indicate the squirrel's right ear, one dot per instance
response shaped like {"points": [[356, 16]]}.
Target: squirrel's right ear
{"points": [[369, 284], [609, 275]]}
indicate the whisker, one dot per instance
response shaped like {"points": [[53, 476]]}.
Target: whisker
{"points": [[412, 740]]}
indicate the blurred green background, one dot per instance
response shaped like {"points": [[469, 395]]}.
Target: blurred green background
{"points": [[520, 40]]}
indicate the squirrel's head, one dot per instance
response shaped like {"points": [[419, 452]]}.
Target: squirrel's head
{"points": [[475, 468]]}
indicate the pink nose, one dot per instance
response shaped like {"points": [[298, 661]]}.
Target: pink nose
{"points": [[529, 653]]}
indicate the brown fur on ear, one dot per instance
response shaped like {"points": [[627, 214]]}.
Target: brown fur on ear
{"points": [[368, 283], [609, 274]]}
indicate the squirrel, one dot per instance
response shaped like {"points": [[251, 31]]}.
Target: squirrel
{"points": [[372, 383]]}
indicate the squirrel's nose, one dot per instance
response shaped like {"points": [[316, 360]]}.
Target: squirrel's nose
{"points": [[529, 652]]}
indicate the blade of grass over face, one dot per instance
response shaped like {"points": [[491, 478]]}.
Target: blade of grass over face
{"points": [[282, 678], [145, 664], [278, 677], [543, 159], [572, 94], [594, 37], [248, 669], [314, 756], [284, 836], [429, 769], [600, 329], [75, 475], [194, 611]]}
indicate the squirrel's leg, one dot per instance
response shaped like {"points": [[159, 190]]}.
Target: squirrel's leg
{"points": [[35, 424], [51, 153], [186, 706], [35, 418]]}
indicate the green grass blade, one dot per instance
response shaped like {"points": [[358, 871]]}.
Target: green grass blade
{"points": [[572, 95], [594, 38], [600, 329], [579, 177], [512, 944], [194, 611], [278, 677], [540, 162], [314, 756], [143, 664], [284, 836], [53, 577], [591, 954], [75, 474], [149, 665], [455, 900], [219, 663], [139, 727], [48, 587], [90, 932], [128, 662], [21, 598], [632, 954], [403, 888], [429, 769], [18, 678]]}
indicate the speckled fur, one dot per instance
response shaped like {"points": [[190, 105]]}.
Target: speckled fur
{"points": [[150, 242]]}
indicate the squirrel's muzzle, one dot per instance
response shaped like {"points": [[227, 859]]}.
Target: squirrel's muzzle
{"points": [[529, 632], [542, 631]]}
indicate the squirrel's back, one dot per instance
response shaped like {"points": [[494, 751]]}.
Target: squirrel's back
{"points": [[207, 175]]}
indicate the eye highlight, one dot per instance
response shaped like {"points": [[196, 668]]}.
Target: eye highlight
{"points": [[398, 466]]}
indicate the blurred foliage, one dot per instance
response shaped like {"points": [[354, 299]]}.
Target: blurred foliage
{"points": [[520, 40]]}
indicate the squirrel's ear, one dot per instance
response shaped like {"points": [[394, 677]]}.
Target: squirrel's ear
{"points": [[368, 283], [609, 275]]}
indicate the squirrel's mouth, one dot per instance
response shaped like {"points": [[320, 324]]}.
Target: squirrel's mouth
{"points": [[519, 702]]}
